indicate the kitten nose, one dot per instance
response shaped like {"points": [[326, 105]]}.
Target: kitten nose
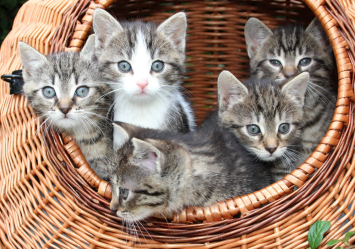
{"points": [[64, 110], [289, 72], [142, 83], [271, 149]]}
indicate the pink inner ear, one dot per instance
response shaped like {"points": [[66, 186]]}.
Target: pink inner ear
{"points": [[150, 161]]}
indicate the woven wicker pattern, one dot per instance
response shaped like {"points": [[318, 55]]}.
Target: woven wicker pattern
{"points": [[45, 194]]}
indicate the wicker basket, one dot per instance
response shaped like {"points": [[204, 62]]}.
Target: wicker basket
{"points": [[49, 198]]}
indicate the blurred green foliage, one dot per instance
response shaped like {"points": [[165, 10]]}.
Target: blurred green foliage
{"points": [[8, 11]]}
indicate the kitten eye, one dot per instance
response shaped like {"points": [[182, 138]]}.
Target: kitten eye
{"points": [[82, 91], [283, 128], [305, 62], [124, 66], [157, 66], [275, 63], [253, 129], [48, 92], [124, 193]]}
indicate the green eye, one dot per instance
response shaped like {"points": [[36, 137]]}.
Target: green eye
{"points": [[275, 63], [253, 129], [124, 66], [124, 193], [82, 91], [283, 128], [305, 61], [48, 92], [157, 66]]}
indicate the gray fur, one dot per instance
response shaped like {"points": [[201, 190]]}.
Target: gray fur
{"points": [[267, 105], [165, 172], [85, 118], [290, 44], [117, 42]]}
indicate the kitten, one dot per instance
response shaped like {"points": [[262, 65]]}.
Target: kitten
{"points": [[160, 171], [66, 91], [265, 116], [144, 65], [287, 51]]}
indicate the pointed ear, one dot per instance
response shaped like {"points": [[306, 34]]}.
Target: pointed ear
{"points": [[104, 26], [316, 30], [120, 136], [31, 59], [230, 90], [175, 28], [88, 51], [146, 155], [255, 33], [297, 86]]}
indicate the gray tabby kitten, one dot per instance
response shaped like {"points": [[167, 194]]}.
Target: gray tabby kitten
{"points": [[65, 89], [265, 116], [160, 171], [287, 51], [144, 64]]}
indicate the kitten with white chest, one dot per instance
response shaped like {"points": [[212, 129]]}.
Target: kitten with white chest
{"points": [[160, 171], [144, 64], [286, 51], [65, 89]]}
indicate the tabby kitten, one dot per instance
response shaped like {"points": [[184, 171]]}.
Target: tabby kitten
{"points": [[66, 91], [265, 116], [287, 51], [144, 65], [160, 171]]}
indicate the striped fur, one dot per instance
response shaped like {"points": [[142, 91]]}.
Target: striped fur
{"points": [[81, 117], [287, 51], [160, 104]]}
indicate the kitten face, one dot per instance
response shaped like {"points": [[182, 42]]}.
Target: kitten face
{"points": [[141, 61], [138, 186], [287, 51], [263, 115], [63, 88]]}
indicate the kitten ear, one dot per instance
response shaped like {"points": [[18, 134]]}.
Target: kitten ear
{"points": [[147, 155], [31, 59], [175, 28], [230, 89], [255, 33], [120, 136], [316, 30], [88, 51], [104, 26], [297, 86]]}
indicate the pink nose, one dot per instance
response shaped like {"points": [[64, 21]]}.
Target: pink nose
{"points": [[142, 83]]}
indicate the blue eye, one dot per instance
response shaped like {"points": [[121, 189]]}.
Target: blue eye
{"points": [[253, 129], [284, 128], [124, 193], [124, 66], [305, 61], [82, 91], [275, 63], [48, 92], [157, 66]]}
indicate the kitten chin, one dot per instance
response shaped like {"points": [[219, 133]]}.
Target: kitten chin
{"points": [[65, 90], [144, 64]]}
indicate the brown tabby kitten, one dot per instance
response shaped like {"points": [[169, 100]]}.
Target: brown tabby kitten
{"points": [[155, 171], [66, 90], [287, 51]]}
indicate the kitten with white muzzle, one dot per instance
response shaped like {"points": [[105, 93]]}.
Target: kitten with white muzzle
{"points": [[144, 64]]}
